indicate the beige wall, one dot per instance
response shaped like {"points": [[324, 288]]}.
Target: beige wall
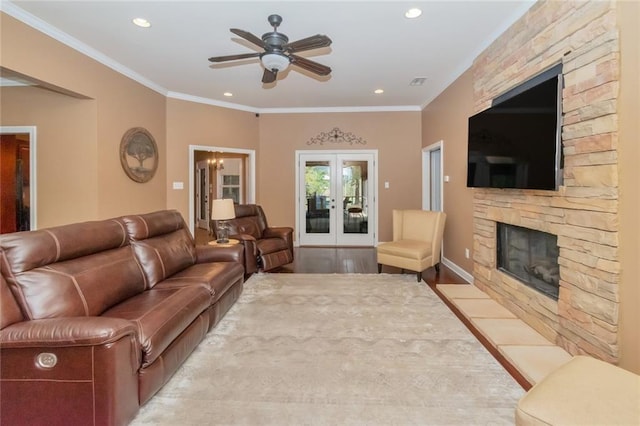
{"points": [[396, 136], [445, 119], [90, 136], [190, 123], [66, 151], [629, 154]]}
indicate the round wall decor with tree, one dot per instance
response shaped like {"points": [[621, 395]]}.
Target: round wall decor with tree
{"points": [[139, 154]]}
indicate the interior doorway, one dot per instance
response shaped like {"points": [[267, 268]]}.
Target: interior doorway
{"points": [[228, 173], [336, 198], [17, 179], [432, 178]]}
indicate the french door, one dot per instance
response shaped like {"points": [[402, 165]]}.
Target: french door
{"points": [[336, 198]]}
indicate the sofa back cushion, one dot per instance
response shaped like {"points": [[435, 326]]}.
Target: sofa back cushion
{"points": [[9, 309], [162, 244], [73, 270]]}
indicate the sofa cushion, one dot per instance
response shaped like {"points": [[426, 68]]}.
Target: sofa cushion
{"points": [[9, 309], [218, 277], [162, 244], [28, 250], [86, 286], [72, 270], [161, 315]]}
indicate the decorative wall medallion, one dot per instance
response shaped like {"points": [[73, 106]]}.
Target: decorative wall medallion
{"points": [[336, 136], [139, 154]]}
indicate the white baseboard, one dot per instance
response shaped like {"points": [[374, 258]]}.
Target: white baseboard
{"points": [[458, 270]]}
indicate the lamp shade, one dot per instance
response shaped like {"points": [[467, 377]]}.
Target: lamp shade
{"points": [[222, 209]]}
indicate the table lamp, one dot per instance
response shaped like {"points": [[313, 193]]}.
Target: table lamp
{"points": [[221, 211]]}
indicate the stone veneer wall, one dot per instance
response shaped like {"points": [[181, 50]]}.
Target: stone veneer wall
{"points": [[583, 213]]}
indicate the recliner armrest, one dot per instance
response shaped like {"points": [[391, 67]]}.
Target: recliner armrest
{"points": [[283, 232]]}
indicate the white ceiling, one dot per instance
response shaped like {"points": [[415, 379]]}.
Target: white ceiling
{"points": [[374, 46]]}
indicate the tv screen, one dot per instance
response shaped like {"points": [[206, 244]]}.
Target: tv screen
{"points": [[516, 142]]}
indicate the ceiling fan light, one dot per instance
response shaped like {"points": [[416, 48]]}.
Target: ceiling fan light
{"points": [[275, 61]]}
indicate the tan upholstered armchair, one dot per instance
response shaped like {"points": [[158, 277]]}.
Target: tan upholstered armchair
{"points": [[417, 240]]}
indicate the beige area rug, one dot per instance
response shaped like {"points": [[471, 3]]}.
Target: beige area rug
{"points": [[337, 349]]}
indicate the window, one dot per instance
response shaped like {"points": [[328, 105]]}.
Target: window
{"points": [[231, 187]]}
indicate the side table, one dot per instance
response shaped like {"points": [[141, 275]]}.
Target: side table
{"points": [[232, 242]]}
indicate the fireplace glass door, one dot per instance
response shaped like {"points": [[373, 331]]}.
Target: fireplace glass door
{"points": [[531, 257]]}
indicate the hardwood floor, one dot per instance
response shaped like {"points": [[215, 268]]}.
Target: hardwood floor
{"points": [[355, 260], [346, 260]]}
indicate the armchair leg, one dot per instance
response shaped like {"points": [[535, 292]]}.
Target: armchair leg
{"points": [[379, 267], [419, 274], [437, 266]]}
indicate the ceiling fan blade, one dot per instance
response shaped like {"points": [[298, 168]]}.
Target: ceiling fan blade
{"points": [[248, 36], [314, 42], [310, 65], [234, 57], [269, 76]]}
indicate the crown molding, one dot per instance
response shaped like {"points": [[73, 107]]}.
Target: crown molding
{"points": [[400, 108], [497, 32], [22, 15], [207, 101]]}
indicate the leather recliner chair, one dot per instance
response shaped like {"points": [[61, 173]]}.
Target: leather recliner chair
{"points": [[266, 248]]}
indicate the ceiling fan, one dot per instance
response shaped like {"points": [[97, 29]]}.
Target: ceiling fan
{"points": [[278, 52]]}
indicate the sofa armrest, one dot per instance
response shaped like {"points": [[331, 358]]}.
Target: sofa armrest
{"points": [[59, 332], [250, 252], [208, 254], [80, 370]]}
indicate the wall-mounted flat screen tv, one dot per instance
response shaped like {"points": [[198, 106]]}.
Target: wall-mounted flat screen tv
{"points": [[516, 143]]}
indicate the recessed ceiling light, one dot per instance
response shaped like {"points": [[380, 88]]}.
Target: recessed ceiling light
{"points": [[378, 91], [228, 94], [141, 22], [413, 13]]}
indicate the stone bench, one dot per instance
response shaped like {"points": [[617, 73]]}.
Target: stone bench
{"points": [[584, 391]]}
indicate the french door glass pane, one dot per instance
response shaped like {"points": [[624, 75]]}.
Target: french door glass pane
{"points": [[317, 176], [354, 193]]}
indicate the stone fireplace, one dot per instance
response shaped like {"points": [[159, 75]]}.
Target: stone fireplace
{"points": [[583, 213], [529, 256]]}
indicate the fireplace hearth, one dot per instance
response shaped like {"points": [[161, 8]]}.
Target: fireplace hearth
{"points": [[530, 256]]}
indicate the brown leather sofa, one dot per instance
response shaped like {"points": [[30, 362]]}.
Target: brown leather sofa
{"points": [[266, 247], [96, 317]]}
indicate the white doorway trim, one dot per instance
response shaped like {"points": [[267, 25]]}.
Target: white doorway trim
{"points": [[33, 169], [427, 174], [251, 175]]}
